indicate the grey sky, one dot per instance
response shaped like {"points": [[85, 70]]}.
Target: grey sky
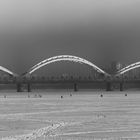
{"points": [[98, 30]]}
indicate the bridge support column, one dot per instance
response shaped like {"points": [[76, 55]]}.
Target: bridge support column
{"points": [[29, 87], [108, 86], [75, 87], [19, 87], [121, 86]]}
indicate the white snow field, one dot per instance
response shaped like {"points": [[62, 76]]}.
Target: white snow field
{"points": [[82, 116]]}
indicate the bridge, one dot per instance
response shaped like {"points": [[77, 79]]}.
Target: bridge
{"points": [[108, 79], [59, 58]]}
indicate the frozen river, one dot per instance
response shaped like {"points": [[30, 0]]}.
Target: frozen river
{"points": [[83, 116]]}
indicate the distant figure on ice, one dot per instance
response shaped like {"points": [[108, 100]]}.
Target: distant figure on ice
{"points": [[101, 95], [40, 96], [70, 95], [125, 94], [35, 95], [61, 97]]}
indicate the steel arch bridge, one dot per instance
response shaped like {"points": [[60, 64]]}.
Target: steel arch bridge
{"points": [[128, 68], [7, 71], [64, 58]]}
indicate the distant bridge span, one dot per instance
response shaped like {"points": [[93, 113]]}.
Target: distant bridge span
{"points": [[128, 68], [65, 58], [7, 71]]}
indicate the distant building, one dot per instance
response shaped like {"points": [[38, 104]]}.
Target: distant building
{"points": [[115, 66], [119, 66]]}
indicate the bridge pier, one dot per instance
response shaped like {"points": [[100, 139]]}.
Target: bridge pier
{"points": [[75, 87], [29, 87], [121, 86], [108, 86], [19, 89]]}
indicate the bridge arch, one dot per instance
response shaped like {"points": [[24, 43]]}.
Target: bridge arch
{"points": [[128, 68], [7, 71], [65, 58]]}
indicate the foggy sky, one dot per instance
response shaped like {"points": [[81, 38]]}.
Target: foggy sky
{"points": [[100, 31]]}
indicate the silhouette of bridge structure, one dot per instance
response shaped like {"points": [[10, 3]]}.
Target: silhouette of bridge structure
{"points": [[108, 79]]}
